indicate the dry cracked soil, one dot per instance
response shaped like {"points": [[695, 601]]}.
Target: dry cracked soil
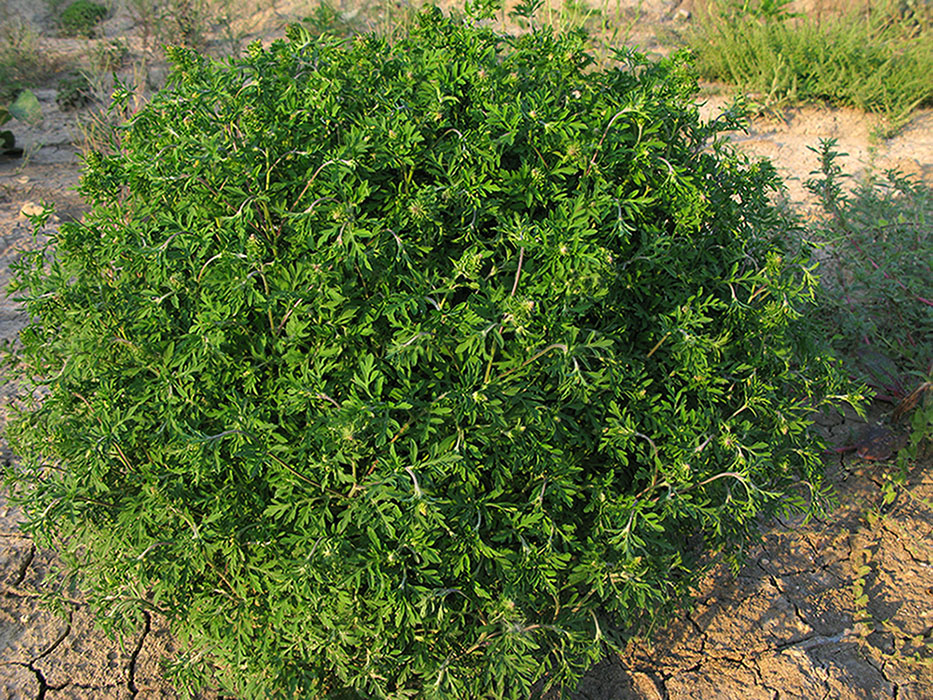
{"points": [[836, 608]]}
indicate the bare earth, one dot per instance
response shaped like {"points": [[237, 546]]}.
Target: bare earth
{"points": [[838, 608]]}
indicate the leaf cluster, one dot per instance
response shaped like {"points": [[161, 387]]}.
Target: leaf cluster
{"points": [[412, 368], [25, 108]]}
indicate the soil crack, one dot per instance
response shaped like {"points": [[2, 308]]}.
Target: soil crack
{"points": [[54, 645], [134, 657], [24, 567], [44, 685]]}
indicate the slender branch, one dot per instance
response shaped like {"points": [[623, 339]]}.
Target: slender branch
{"points": [[518, 271], [657, 345], [601, 139], [553, 346], [286, 316], [322, 395]]}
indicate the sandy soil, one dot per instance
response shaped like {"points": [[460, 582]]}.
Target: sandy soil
{"points": [[837, 608]]}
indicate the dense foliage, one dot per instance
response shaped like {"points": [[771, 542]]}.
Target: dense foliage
{"points": [[412, 368], [81, 18]]}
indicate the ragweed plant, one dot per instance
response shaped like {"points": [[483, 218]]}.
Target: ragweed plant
{"points": [[408, 369], [876, 301]]}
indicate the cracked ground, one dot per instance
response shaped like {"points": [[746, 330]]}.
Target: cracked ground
{"points": [[832, 609]]}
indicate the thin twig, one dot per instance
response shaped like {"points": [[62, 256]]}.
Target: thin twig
{"points": [[518, 271]]}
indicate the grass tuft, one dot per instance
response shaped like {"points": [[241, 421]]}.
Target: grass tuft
{"points": [[22, 63], [878, 61]]}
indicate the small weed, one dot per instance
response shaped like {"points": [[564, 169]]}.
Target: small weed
{"points": [[234, 21], [81, 18], [22, 63], [329, 18], [876, 292], [175, 22], [188, 22], [193, 23], [108, 56]]}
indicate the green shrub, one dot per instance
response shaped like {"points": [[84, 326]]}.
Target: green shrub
{"points": [[81, 18], [876, 302], [412, 368]]}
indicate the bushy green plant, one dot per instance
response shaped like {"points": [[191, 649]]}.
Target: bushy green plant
{"points": [[81, 18], [876, 299], [880, 62], [412, 368]]}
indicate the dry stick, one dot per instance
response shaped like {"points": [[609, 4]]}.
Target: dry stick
{"points": [[657, 345]]}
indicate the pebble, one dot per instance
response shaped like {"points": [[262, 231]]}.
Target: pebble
{"points": [[31, 209]]}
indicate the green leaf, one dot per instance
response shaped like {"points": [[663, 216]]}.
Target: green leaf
{"points": [[26, 107]]}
